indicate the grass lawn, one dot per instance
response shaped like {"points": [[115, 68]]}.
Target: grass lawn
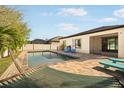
{"points": [[50, 78], [4, 64]]}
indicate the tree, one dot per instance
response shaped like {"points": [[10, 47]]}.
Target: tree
{"points": [[13, 32]]}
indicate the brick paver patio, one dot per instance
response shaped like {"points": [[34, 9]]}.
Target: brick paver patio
{"points": [[87, 64]]}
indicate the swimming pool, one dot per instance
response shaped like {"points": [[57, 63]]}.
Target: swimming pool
{"points": [[38, 58]]}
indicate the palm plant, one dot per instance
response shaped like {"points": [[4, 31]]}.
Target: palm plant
{"points": [[13, 32], [9, 39]]}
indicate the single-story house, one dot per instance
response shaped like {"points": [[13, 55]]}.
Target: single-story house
{"points": [[38, 41], [54, 40], [105, 40]]}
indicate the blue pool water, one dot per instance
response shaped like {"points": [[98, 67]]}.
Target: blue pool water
{"points": [[38, 58]]}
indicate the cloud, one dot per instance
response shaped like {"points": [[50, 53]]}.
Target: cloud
{"points": [[119, 13], [72, 12], [109, 19], [68, 27]]}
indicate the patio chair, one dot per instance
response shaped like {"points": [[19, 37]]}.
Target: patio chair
{"points": [[67, 49], [115, 60], [73, 50], [109, 63]]}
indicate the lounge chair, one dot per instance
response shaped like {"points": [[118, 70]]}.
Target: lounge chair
{"points": [[116, 60], [65, 49], [73, 50], [109, 63]]}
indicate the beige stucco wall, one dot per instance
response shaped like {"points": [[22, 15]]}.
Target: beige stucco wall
{"points": [[84, 43], [85, 40], [121, 44], [95, 44]]}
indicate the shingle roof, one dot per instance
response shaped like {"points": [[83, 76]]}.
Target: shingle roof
{"points": [[38, 41], [99, 29], [55, 39]]}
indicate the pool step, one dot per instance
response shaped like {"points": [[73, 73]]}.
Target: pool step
{"points": [[5, 83], [10, 81], [26, 75], [1, 85], [29, 72], [33, 69], [14, 79], [17, 78]]}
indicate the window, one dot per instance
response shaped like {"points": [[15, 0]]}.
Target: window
{"points": [[78, 43], [110, 44]]}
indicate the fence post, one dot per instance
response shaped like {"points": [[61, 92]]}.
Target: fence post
{"points": [[50, 46], [33, 46]]}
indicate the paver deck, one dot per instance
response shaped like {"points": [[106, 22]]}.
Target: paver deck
{"points": [[88, 64]]}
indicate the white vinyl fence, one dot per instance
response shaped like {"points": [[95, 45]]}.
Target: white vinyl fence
{"points": [[36, 47], [31, 47], [5, 54]]}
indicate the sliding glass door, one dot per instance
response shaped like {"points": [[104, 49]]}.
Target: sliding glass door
{"points": [[110, 44]]}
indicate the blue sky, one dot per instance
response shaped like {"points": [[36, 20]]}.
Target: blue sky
{"points": [[49, 21]]}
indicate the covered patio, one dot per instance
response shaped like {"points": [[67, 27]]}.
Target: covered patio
{"points": [[106, 45]]}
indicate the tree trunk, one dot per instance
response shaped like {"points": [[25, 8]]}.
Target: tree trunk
{"points": [[2, 55], [14, 60], [8, 53]]}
